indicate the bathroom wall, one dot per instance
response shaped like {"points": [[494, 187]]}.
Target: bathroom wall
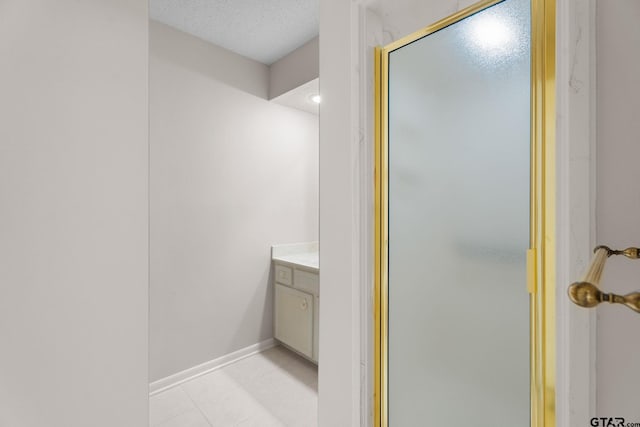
{"points": [[294, 69], [339, 356], [618, 201], [73, 213], [231, 174]]}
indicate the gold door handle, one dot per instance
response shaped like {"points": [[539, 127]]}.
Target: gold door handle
{"points": [[586, 293]]}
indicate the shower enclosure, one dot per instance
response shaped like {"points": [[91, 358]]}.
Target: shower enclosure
{"points": [[460, 216]]}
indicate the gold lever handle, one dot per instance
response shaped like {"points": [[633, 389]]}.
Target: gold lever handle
{"points": [[586, 293]]}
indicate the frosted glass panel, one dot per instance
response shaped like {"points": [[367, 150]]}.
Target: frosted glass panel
{"points": [[459, 223]]}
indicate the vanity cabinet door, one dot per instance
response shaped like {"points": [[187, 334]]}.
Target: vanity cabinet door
{"points": [[294, 319]]}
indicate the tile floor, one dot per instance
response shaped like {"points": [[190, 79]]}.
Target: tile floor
{"points": [[275, 388]]}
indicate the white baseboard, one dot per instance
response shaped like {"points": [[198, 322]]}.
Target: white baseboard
{"points": [[206, 367]]}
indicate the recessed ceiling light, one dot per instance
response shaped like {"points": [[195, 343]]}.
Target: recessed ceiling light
{"points": [[316, 99]]}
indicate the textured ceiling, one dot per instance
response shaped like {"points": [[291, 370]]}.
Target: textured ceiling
{"points": [[264, 30]]}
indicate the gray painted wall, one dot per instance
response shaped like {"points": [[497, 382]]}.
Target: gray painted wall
{"points": [[295, 69], [231, 174], [73, 213], [618, 201]]}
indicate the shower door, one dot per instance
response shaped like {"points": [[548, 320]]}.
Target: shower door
{"points": [[455, 202]]}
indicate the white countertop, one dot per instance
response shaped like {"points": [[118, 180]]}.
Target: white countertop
{"points": [[299, 254]]}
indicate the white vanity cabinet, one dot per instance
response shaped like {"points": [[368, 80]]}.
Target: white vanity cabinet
{"points": [[294, 319], [297, 302]]}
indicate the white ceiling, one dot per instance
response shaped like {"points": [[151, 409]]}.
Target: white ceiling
{"points": [[264, 30]]}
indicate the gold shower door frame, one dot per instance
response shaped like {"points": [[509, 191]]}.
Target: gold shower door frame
{"points": [[540, 256]]}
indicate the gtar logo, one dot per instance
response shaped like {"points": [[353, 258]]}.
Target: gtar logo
{"points": [[607, 422]]}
